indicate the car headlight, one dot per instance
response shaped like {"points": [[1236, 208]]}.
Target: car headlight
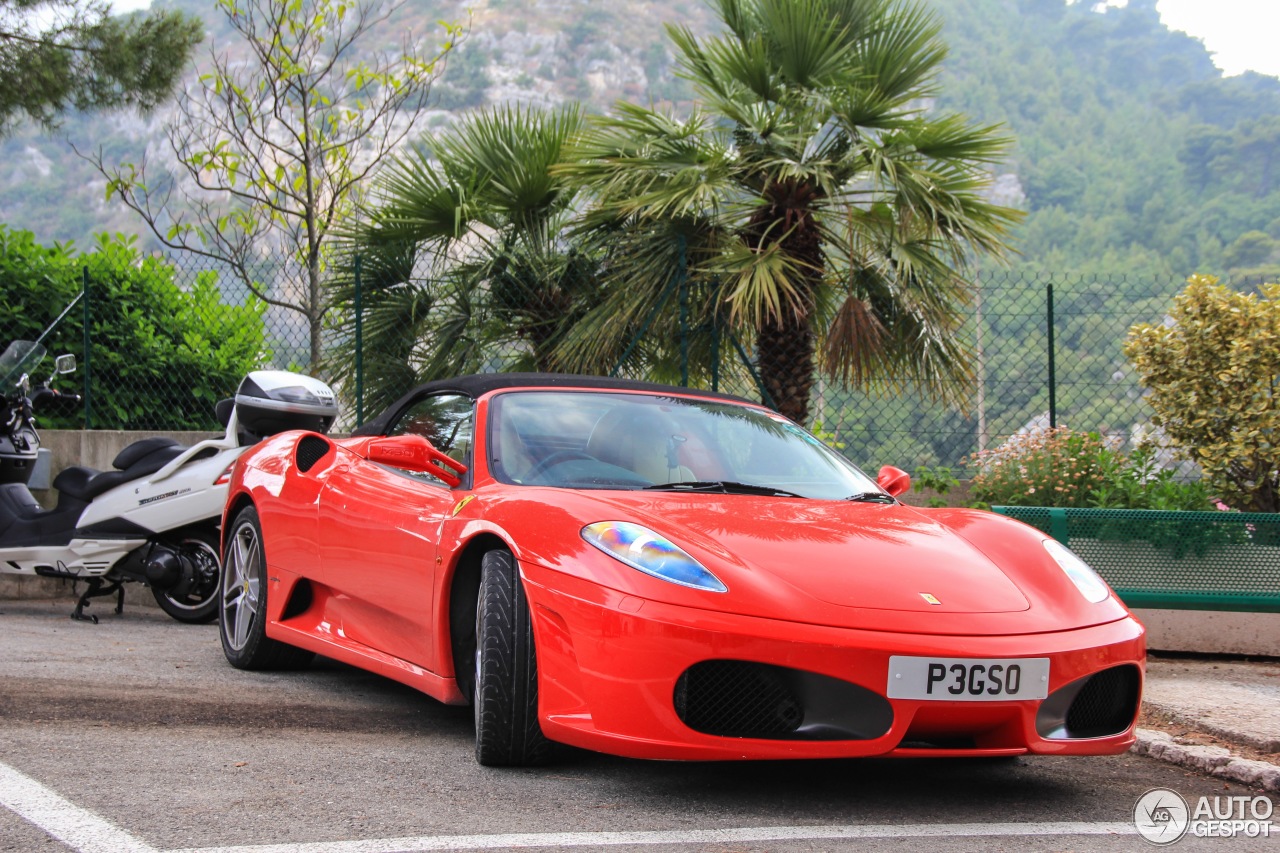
{"points": [[642, 549], [1091, 586]]}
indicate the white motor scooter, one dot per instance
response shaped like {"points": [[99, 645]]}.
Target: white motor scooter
{"points": [[154, 518]]}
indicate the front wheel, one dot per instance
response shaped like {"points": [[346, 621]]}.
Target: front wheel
{"points": [[506, 680], [196, 602], [242, 622]]}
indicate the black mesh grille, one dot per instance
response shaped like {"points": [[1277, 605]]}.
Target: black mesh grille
{"points": [[311, 450], [1106, 705], [737, 699]]}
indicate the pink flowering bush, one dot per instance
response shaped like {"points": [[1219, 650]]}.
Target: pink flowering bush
{"points": [[1056, 467], [1063, 467]]}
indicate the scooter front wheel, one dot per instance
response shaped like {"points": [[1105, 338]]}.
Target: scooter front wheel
{"points": [[197, 604]]}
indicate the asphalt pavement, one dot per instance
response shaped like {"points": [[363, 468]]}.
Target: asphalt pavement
{"points": [[1215, 715], [135, 735]]}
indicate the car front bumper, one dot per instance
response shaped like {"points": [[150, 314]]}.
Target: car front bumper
{"points": [[611, 666]]}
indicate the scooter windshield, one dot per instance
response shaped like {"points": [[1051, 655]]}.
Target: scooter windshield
{"points": [[21, 357]]}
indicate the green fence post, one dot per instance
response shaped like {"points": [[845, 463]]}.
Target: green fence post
{"points": [[715, 348], [1053, 387], [359, 348], [1058, 528], [88, 367], [684, 316], [662, 300], [755, 377]]}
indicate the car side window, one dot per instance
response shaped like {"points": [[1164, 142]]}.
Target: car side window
{"points": [[446, 420]]}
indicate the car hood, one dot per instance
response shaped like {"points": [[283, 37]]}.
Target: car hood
{"points": [[875, 566], [865, 555]]}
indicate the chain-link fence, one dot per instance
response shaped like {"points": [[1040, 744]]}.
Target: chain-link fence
{"points": [[160, 340], [1047, 352]]}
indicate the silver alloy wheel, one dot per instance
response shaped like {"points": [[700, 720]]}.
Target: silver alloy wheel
{"points": [[241, 598]]}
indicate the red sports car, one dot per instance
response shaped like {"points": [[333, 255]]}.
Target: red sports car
{"points": [[666, 573]]}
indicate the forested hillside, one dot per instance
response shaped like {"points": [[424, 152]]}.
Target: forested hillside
{"points": [[1133, 154]]}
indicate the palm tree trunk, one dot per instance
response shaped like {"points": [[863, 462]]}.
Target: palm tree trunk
{"points": [[785, 351], [785, 341]]}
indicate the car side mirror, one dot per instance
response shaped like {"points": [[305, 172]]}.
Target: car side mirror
{"points": [[64, 364], [415, 453], [895, 481]]}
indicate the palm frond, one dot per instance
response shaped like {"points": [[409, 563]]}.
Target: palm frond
{"points": [[810, 48], [764, 283], [901, 53], [646, 163]]}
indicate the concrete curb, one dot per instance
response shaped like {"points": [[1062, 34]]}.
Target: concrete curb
{"points": [[1212, 760], [1230, 734]]}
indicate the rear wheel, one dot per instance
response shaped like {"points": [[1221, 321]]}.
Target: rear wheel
{"points": [[197, 602], [506, 679], [243, 603]]}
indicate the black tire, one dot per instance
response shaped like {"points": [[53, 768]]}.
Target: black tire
{"points": [[242, 601], [198, 604], [506, 676]]}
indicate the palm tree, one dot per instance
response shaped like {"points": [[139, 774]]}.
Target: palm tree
{"points": [[463, 264], [816, 199]]}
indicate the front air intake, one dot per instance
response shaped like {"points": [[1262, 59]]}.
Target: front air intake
{"points": [[1098, 705], [737, 699], [733, 698], [1106, 705]]}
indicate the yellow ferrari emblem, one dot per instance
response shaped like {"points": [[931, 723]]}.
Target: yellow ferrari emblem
{"points": [[930, 597], [457, 508]]}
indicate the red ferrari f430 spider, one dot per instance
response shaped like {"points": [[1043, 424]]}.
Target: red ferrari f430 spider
{"points": [[659, 572]]}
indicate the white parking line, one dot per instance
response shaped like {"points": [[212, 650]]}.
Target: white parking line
{"points": [[86, 832], [79, 829], [753, 834]]}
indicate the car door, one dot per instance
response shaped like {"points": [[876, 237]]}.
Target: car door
{"points": [[380, 528]]}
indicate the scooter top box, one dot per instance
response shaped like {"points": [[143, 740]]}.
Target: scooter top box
{"points": [[272, 401]]}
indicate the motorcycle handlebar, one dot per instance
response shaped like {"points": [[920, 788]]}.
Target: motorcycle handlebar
{"points": [[43, 398]]}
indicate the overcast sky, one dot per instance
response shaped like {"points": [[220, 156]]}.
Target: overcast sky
{"points": [[1242, 34]]}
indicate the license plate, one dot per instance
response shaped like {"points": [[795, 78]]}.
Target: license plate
{"points": [[968, 679]]}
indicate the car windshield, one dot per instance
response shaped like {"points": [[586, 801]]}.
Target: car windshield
{"points": [[601, 440]]}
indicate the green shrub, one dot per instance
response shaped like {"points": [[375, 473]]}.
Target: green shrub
{"points": [[1212, 376], [940, 480], [161, 355]]}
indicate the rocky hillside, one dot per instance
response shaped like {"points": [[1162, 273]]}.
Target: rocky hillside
{"points": [[1133, 154]]}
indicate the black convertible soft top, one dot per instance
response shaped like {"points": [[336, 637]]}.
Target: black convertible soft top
{"points": [[474, 385]]}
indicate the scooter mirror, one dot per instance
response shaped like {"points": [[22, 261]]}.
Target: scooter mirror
{"points": [[65, 364]]}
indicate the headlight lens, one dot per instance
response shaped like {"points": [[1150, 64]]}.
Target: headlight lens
{"points": [[1086, 579], [642, 549]]}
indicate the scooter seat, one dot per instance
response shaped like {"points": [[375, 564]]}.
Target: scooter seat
{"points": [[86, 484], [140, 449], [24, 523]]}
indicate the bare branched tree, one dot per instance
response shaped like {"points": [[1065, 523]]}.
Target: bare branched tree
{"points": [[270, 147]]}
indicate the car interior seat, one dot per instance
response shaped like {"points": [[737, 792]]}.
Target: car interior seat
{"points": [[641, 440]]}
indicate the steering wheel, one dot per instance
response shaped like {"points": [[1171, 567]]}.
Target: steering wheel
{"points": [[557, 458]]}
